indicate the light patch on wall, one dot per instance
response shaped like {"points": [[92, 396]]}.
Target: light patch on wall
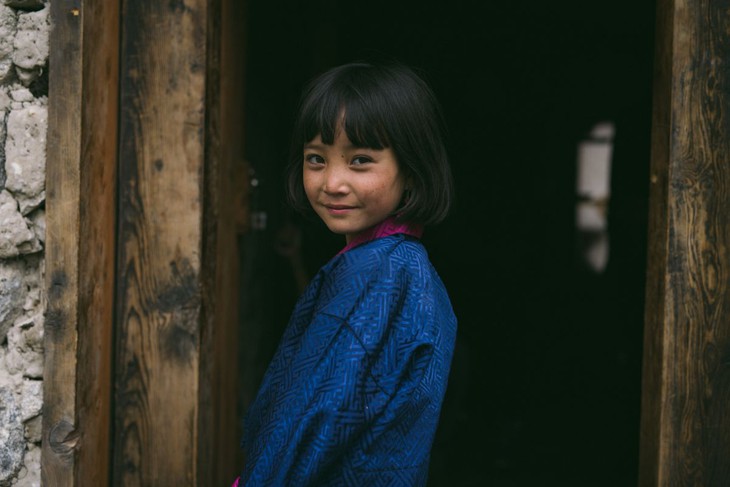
{"points": [[593, 188]]}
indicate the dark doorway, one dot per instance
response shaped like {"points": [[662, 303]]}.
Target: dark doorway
{"points": [[545, 386]]}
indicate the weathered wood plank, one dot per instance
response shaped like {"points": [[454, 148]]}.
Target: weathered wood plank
{"points": [[162, 154], [80, 206], [212, 226], [97, 238], [58, 454], [685, 419], [224, 164], [654, 323]]}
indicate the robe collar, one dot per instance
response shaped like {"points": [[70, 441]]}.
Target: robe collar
{"points": [[387, 227]]}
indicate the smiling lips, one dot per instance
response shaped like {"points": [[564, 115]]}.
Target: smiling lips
{"points": [[338, 209]]}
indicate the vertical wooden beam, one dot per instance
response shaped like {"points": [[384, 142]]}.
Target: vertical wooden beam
{"points": [[220, 460], [653, 355], [685, 432], [213, 224], [173, 270], [80, 234]]}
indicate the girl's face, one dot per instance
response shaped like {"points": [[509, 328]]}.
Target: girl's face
{"points": [[351, 188]]}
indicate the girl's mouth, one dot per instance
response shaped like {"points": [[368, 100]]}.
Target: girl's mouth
{"points": [[338, 209]]}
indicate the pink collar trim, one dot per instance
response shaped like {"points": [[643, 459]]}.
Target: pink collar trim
{"points": [[384, 229]]}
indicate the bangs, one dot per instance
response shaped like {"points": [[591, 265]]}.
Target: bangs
{"points": [[364, 120], [379, 107]]}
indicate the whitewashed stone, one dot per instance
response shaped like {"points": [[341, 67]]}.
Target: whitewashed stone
{"points": [[33, 368], [8, 28], [37, 223], [37, 21], [25, 156], [33, 298], [30, 473], [20, 93], [34, 430], [12, 436], [30, 363], [15, 236], [30, 48], [3, 117], [31, 401], [31, 329], [12, 295], [25, 351], [4, 101], [24, 34], [6, 70], [5, 378], [27, 205], [29, 52]]}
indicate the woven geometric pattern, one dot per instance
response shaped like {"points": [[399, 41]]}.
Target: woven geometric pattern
{"points": [[353, 393]]}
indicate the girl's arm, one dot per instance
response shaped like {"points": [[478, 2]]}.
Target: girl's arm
{"points": [[327, 419]]}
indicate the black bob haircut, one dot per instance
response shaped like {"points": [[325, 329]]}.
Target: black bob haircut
{"points": [[384, 106]]}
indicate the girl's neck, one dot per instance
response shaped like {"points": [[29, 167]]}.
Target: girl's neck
{"points": [[387, 227]]}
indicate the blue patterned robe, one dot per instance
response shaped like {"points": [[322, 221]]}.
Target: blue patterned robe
{"points": [[353, 393]]}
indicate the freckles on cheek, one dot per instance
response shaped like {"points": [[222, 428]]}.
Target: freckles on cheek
{"points": [[309, 190]]}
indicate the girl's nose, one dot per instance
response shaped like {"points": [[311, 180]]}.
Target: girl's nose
{"points": [[335, 181]]}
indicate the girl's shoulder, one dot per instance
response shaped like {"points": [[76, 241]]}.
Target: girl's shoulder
{"points": [[384, 268], [387, 255], [386, 284]]}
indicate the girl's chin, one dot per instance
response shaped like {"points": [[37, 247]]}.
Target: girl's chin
{"points": [[347, 232], [339, 230]]}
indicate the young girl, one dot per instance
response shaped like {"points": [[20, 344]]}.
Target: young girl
{"points": [[353, 393]]}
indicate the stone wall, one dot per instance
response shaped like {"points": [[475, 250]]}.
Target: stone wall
{"points": [[24, 29]]}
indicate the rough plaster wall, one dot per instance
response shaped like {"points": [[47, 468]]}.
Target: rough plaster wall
{"points": [[24, 29]]}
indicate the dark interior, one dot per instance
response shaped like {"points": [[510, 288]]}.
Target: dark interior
{"points": [[545, 384]]}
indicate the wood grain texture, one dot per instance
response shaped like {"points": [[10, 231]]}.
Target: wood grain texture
{"points": [[80, 205], [162, 154], [654, 321], [60, 435], [220, 456], [686, 419], [97, 238]]}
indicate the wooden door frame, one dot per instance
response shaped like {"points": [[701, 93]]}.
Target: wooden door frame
{"points": [[685, 428], [99, 56], [684, 437], [80, 241]]}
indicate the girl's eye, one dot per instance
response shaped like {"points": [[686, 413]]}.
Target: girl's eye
{"points": [[360, 160], [314, 159]]}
